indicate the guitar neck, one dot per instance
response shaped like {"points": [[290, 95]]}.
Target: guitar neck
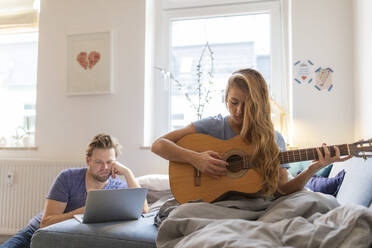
{"points": [[310, 154]]}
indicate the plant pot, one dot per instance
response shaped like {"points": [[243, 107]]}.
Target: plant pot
{"points": [[28, 140], [2, 142]]}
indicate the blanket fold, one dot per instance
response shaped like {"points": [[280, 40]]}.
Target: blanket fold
{"points": [[302, 219]]}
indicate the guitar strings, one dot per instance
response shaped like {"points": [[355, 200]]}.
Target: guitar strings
{"points": [[308, 154], [237, 163]]}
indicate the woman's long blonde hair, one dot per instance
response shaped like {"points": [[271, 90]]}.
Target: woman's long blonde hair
{"points": [[257, 128]]}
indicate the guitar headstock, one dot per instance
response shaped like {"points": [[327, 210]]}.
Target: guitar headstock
{"points": [[361, 149]]}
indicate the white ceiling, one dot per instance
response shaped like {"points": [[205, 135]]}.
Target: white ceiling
{"points": [[15, 4]]}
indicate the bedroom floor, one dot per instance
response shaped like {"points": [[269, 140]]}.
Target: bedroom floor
{"points": [[4, 238]]}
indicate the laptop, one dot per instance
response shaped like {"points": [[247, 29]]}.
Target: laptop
{"points": [[113, 205]]}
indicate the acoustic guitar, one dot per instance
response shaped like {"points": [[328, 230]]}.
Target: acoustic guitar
{"points": [[187, 183]]}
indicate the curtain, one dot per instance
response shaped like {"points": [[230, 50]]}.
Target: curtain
{"points": [[21, 20], [286, 122]]}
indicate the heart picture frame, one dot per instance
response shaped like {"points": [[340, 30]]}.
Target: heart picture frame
{"points": [[89, 63]]}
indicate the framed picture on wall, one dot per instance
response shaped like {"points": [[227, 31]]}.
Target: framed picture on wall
{"points": [[89, 64]]}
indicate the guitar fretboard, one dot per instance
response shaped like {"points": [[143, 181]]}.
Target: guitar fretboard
{"points": [[309, 154]]}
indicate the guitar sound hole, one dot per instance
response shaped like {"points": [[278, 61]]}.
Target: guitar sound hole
{"points": [[235, 163]]}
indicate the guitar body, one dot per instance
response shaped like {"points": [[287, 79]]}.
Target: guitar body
{"points": [[187, 184]]}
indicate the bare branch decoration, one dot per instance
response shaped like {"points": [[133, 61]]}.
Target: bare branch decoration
{"points": [[204, 82]]}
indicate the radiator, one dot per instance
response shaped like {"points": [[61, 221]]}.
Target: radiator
{"points": [[24, 184]]}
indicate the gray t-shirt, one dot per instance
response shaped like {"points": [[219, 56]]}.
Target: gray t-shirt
{"points": [[69, 187], [218, 127]]}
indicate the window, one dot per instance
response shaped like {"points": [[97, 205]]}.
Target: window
{"points": [[206, 42], [222, 45], [18, 66]]}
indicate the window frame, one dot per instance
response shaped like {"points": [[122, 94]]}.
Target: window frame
{"points": [[161, 87], [24, 36]]}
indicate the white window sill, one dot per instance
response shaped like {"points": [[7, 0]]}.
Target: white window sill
{"points": [[18, 148]]}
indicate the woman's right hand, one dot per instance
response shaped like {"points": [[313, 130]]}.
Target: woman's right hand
{"points": [[210, 163]]}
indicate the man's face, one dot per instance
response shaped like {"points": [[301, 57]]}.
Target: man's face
{"points": [[99, 164]]}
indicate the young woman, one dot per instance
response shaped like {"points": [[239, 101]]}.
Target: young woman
{"points": [[247, 100]]}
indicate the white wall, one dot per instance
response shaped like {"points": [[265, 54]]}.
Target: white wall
{"points": [[322, 32], [362, 10], [66, 124]]}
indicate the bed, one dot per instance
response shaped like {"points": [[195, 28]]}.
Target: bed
{"points": [[303, 219]]}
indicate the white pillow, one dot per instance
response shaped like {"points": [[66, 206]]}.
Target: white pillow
{"points": [[154, 181]]}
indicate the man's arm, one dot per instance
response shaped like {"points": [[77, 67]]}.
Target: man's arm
{"points": [[53, 212], [121, 169]]}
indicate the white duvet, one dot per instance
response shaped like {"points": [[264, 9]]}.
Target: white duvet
{"points": [[303, 219]]}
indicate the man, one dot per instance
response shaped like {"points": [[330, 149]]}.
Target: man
{"points": [[68, 193]]}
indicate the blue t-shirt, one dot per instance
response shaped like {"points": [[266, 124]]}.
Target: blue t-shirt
{"points": [[219, 127], [69, 187]]}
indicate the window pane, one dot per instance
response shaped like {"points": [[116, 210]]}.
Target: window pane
{"points": [[204, 53], [18, 67]]}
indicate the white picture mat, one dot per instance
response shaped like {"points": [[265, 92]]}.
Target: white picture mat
{"points": [[94, 80]]}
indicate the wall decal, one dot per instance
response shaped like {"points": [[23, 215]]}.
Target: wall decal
{"points": [[303, 71], [323, 79]]}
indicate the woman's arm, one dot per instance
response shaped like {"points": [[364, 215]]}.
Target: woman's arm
{"points": [[167, 148], [208, 162], [299, 182]]}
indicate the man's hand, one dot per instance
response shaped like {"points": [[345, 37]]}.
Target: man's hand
{"points": [[79, 210], [118, 168], [210, 163]]}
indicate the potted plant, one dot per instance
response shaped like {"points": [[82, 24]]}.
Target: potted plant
{"points": [[28, 136], [19, 133]]}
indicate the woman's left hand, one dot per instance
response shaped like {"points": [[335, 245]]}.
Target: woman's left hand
{"points": [[327, 159]]}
